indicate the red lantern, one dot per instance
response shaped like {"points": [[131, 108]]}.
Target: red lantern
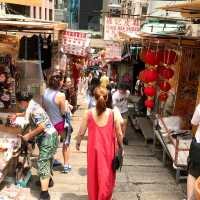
{"points": [[142, 54], [148, 75], [163, 96], [160, 56], [167, 73], [150, 91], [149, 103], [153, 57], [170, 57], [160, 69], [164, 86]]}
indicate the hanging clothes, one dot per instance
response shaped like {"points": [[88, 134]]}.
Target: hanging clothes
{"points": [[46, 52], [23, 40], [29, 48], [36, 48]]}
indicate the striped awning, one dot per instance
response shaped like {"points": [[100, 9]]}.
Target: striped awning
{"points": [[23, 2]]}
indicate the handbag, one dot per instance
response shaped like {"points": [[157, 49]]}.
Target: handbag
{"points": [[117, 162], [194, 154]]}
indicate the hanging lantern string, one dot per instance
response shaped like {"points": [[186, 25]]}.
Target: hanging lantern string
{"points": [[148, 47], [142, 46], [176, 57], [157, 48], [164, 54], [168, 56], [137, 52]]}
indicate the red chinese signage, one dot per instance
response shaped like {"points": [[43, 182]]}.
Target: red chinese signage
{"points": [[115, 25], [75, 43]]}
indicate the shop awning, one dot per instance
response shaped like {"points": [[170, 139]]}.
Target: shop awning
{"points": [[23, 2], [8, 25], [187, 9]]}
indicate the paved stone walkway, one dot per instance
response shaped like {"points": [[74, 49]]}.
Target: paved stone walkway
{"points": [[143, 176]]}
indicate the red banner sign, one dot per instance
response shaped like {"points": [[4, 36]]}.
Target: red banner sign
{"points": [[76, 43]]}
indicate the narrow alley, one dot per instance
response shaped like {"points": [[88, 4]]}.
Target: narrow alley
{"points": [[143, 176]]}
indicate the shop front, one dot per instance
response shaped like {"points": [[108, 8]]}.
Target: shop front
{"points": [[20, 70], [171, 86]]}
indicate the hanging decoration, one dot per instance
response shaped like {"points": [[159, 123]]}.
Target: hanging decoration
{"points": [[164, 86], [150, 91], [158, 72], [148, 75], [163, 96], [149, 103], [170, 57], [165, 72], [152, 57]]}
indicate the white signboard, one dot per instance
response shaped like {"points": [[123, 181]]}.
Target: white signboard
{"points": [[115, 25], [113, 51], [75, 43]]}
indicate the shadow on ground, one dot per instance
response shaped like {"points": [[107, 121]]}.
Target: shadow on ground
{"points": [[71, 196], [82, 171]]}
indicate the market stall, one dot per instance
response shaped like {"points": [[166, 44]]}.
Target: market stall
{"points": [[20, 69], [171, 87]]}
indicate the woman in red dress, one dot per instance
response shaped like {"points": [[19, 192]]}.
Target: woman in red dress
{"points": [[103, 131]]}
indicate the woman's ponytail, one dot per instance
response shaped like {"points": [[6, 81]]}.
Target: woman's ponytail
{"points": [[101, 96]]}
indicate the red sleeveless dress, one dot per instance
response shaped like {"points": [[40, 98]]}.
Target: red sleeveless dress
{"points": [[100, 153]]}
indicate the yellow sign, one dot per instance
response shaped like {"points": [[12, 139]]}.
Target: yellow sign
{"points": [[23, 2]]}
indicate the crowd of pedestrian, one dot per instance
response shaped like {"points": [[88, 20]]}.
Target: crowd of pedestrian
{"points": [[105, 122]]}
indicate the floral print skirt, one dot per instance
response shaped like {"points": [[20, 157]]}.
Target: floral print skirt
{"points": [[47, 145]]}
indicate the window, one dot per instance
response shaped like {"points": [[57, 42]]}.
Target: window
{"points": [[144, 10], [45, 13], [40, 12], [18, 9], [56, 4], [34, 12], [129, 11], [50, 14]]}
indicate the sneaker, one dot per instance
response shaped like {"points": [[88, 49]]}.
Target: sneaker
{"points": [[56, 163], [44, 196], [67, 169]]}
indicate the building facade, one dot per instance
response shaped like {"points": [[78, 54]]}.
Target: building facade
{"points": [[134, 7], [61, 10], [90, 14], [155, 4], [44, 10]]}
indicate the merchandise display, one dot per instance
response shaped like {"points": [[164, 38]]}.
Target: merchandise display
{"points": [[9, 146], [9, 48], [14, 193]]}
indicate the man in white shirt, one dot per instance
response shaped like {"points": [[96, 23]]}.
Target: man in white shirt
{"points": [[120, 100]]}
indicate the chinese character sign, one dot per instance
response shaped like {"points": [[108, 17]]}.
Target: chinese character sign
{"points": [[113, 51], [115, 25], [75, 43]]}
